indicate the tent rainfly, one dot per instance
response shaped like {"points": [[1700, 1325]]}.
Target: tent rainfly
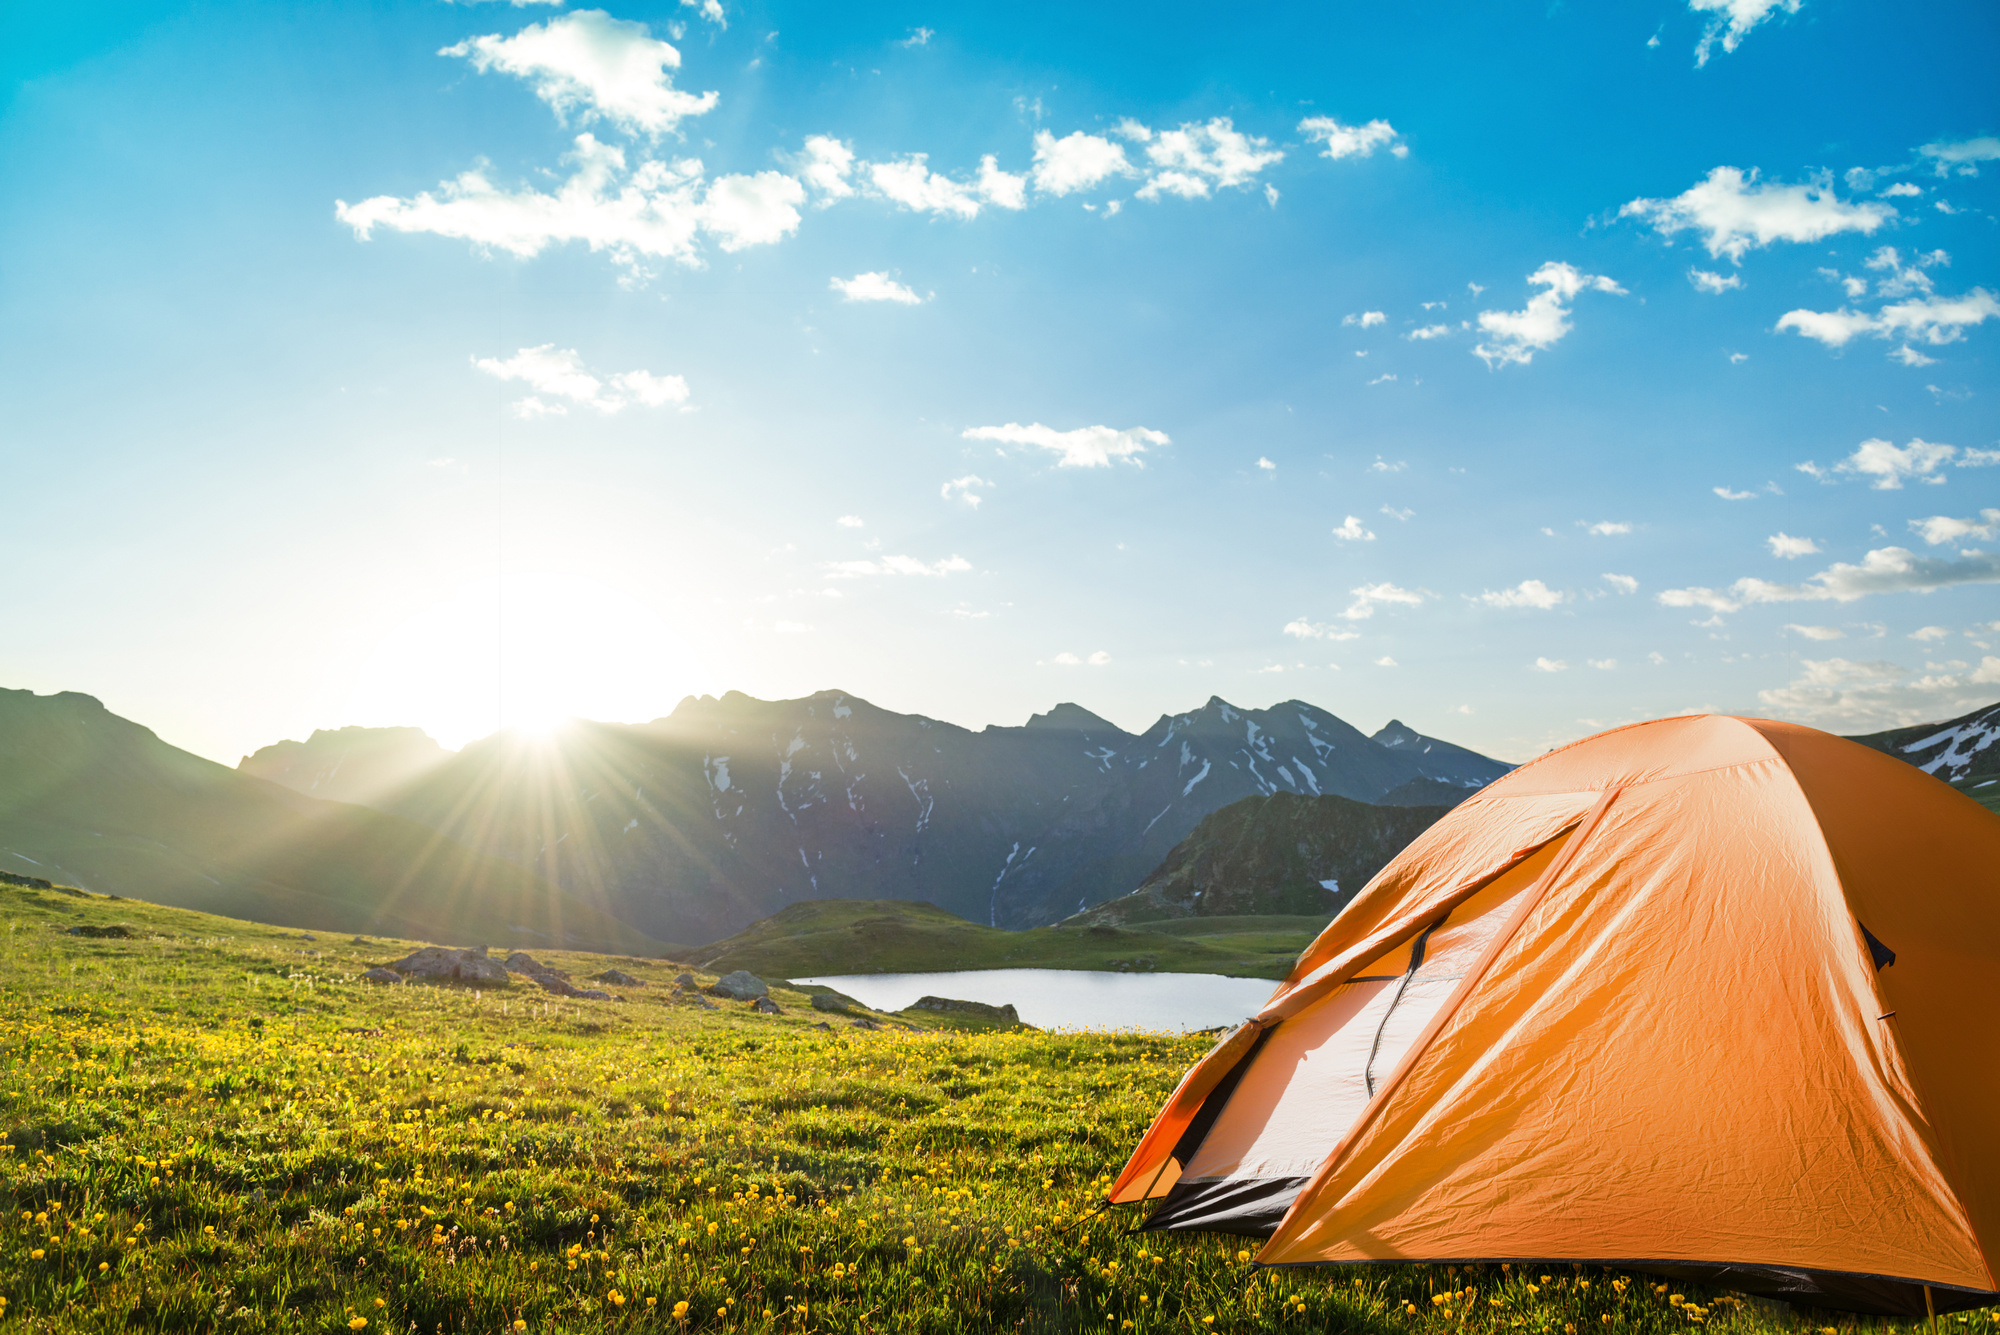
{"points": [[1713, 998]]}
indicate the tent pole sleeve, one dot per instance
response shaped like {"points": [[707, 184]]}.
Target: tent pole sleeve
{"points": [[1550, 875]]}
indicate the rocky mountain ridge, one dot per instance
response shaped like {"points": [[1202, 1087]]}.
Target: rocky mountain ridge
{"points": [[695, 825]]}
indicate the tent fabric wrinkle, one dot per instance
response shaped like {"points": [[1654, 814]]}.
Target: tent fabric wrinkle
{"points": [[1633, 1004]]}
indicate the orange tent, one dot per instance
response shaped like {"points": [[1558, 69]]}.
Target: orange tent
{"points": [[1710, 997]]}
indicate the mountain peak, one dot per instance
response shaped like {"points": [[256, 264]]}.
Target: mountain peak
{"points": [[1068, 717], [1397, 733]]}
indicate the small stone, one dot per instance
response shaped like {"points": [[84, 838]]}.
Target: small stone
{"points": [[765, 1006], [381, 975], [619, 978], [686, 982], [741, 985]]}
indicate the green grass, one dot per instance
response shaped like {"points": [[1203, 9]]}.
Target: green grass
{"points": [[212, 1126], [849, 936]]}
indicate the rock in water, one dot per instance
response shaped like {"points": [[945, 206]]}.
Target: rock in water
{"points": [[446, 965], [381, 975], [739, 986], [1004, 1014]]}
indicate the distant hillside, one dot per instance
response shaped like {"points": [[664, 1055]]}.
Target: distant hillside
{"points": [[696, 825], [832, 937], [1277, 854], [91, 799], [348, 764]]}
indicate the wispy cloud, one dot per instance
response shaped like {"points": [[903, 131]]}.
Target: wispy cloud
{"points": [[1888, 465], [1369, 596], [1941, 529], [1734, 212], [1528, 593], [1788, 547], [1550, 665], [1732, 21], [896, 565], [1352, 141], [1622, 583], [1861, 695], [559, 373], [1083, 447], [1308, 630], [965, 489], [588, 65], [1516, 336], [875, 287], [1352, 531], [1884, 570]]}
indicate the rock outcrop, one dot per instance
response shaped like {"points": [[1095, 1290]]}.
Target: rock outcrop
{"points": [[444, 964], [741, 985]]}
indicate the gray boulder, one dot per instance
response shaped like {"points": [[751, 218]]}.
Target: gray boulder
{"points": [[445, 965], [739, 986], [765, 1006], [948, 1005], [832, 1001], [619, 978], [686, 982], [524, 963], [381, 975]]}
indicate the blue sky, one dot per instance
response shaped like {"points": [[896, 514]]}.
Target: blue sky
{"points": [[1517, 370]]}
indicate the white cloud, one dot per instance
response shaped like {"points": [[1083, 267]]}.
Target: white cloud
{"points": [[896, 565], [710, 10], [1735, 213], [1385, 661], [1386, 376], [965, 489], [1365, 318], [1075, 162], [875, 287], [1518, 335], [1929, 319], [1928, 633], [656, 210], [1550, 665], [826, 165], [1733, 19], [1368, 596], [1085, 447], [1403, 515], [1902, 189], [1528, 593], [1307, 630], [1194, 159], [918, 37], [1603, 664], [1605, 528], [1728, 495], [1706, 280], [1963, 156], [1884, 570], [1817, 632], [1786, 546], [851, 521], [1003, 189], [1941, 529], [1068, 660], [1428, 332], [1738, 358], [560, 373], [1266, 464], [916, 187], [1352, 531], [590, 65], [1351, 141], [1622, 583], [1098, 659], [1849, 696], [1382, 465], [1889, 464]]}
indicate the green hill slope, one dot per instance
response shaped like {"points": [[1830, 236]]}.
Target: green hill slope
{"points": [[89, 798], [848, 936], [1279, 854]]}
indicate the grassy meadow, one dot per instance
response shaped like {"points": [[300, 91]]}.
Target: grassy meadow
{"points": [[214, 1126]]}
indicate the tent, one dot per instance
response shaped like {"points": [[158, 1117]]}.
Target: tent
{"points": [[1709, 997]]}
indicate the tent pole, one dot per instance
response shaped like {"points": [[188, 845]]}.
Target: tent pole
{"points": [[1930, 1309]]}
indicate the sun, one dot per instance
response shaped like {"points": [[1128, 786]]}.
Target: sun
{"points": [[527, 656]]}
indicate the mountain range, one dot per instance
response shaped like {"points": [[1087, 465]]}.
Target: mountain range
{"points": [[729, 809]]}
